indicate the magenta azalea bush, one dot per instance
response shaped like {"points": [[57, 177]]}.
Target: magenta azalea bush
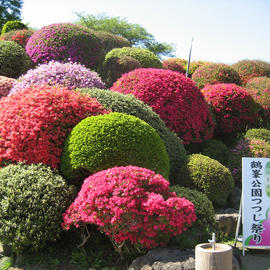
{"points": [[130, 204], [63, 42], [70, 75], [175, 98], [6, 85], [258, 83]]}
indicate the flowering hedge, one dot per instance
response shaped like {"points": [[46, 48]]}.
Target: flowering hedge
{"points": [[233, 107], [174, 64], [5, 85], [248, 69], [35, 122], [258, 83], [213, 73], [70, 75], [175, 98], [19, 36], [63, 42], [131, 204]]}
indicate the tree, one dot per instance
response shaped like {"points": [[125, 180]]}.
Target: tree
{"points": [[10, 10], [136, 34]]}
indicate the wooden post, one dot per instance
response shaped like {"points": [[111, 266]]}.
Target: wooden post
{"points": [[207, 258]]}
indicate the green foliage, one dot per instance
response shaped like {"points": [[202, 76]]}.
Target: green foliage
{"points": [[134, 33], [201, 229], [32, 199], [10, 10], [208, 176], [129, 104], [110, 140], [13, 25], [146, 58], [258, 133], [13, 59], [114, 67]]}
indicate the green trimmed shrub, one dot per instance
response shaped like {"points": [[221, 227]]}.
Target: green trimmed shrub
{"points": [[146, 58], [258, 83], [258, 133], [32, 201], [13, 25], [13, 59], [129, 104], [205, 223], [115, 139], [208, 176], [114, 67]]}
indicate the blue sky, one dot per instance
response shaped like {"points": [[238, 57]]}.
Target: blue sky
{"points": [[223, 30]]}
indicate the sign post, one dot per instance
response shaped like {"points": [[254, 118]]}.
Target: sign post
{"points": [[256, 202]]}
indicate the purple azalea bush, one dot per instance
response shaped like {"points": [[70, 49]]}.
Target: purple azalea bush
{"points": [[70, 75]]}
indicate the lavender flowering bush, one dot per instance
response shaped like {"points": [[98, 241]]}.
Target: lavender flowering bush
{"points": [[70, 75], [64, 41]]}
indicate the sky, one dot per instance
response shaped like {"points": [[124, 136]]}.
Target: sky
{"points": [[224, 31]]}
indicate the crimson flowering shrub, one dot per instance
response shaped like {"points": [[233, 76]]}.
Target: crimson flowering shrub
{"points": [[64, 42], [70, 75], [5, 85], [174, 98], [233, 107], [248, 69], [130, 204], [19, 36], [258, 83], [213, 73], [174, 64], [35, 122]]}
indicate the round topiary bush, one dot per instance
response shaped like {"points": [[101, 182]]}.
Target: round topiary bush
{"points": [[115, 139], [65, 42], [129, 104], [33, 199], [130, 204], [70, 75], [195, 65], [258, 83], [19, 36], [5, 85], [258, 133], [248, 69], [175, 98], [114, 67], [146, 58], [174, 64], [210, 177], [36, 121], [13, 59], [214, 73], [205, 223], [13, 25], [233, 107]]}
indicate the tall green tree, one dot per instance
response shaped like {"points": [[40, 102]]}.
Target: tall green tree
{"points": [[10, 10], [136, 34]]}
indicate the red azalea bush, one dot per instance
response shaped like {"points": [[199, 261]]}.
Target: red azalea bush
{"points": [[258, 83], [195, 65], [35, 122], [248, 69], [233, 107], [174, 97], [214, 73], [19, 36], [174, 64], [131, 204], [5, 85]]}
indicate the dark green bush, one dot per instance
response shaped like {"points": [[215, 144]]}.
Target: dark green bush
{"points": [[13, 25], [208, 176], [146, 58], [13, 59], [203, 226], [129, 104], [32, 201], [258, 133], [114, 67], [110, 140]]}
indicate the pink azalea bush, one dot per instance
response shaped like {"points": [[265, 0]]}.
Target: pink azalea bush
{"points": [[70, 75], [6, 85], [130, 204], [175, 98]]}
